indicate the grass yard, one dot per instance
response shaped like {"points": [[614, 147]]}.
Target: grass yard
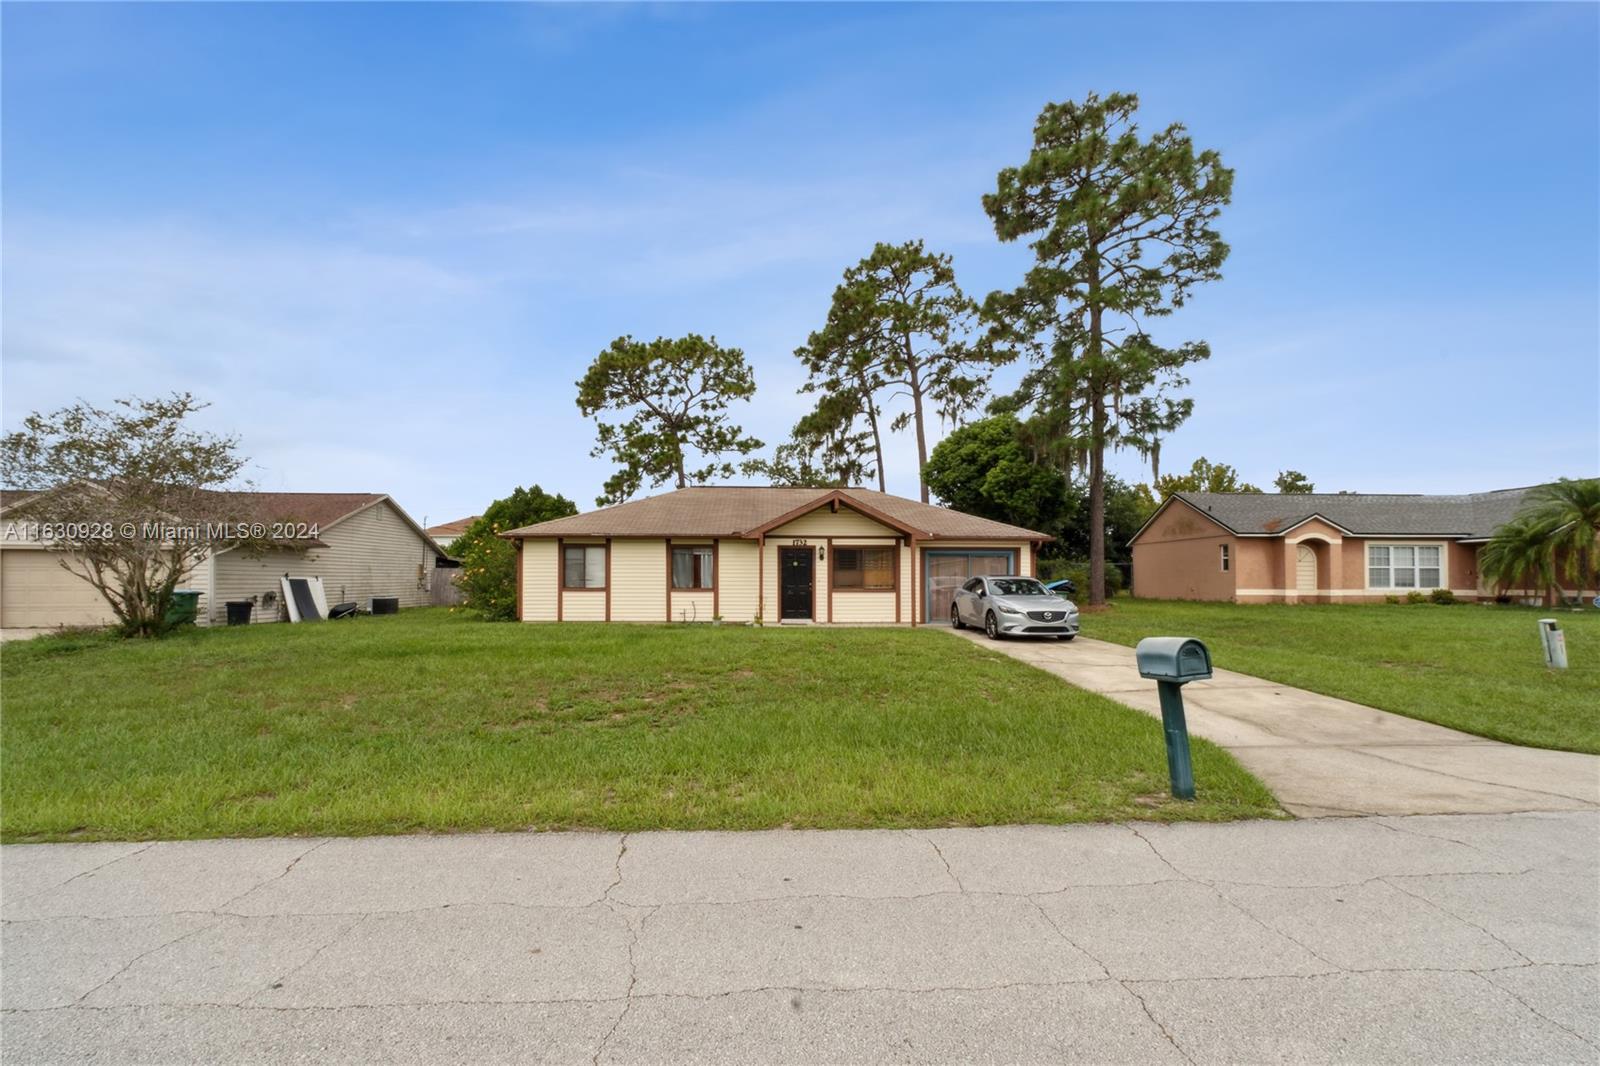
{"points": [[429, 721], [1476, 668]]}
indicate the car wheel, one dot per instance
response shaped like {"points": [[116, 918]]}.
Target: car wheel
{"points": [[991, 627], [1066, 636], [955, 617]]}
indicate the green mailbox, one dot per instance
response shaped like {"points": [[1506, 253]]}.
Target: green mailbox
{"points": [[1172, 662], [1177, 659]]}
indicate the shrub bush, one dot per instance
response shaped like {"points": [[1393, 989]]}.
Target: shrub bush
{"points": [[1443, 597], [1416, 596], [1391, 599], [488, 574], [1077, 571]]}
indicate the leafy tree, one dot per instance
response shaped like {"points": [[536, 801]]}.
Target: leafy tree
{"points": [[138, 473], [982, 469], [488, 574], [673, 397], [1128, 506], [1096, 199], [1204, 476], [825, 449], [1293, 482], [898, 327]]}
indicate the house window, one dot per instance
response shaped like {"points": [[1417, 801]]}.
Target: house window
{"points": [[583, 566], [1404, 566], [864, 569], [1227, 560], [691, 568]]}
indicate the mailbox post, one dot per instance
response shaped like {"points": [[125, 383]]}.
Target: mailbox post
{"points": [[1172, 662]]}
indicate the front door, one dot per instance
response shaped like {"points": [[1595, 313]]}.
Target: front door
{"points": [[1305, 569], [795, 582]]}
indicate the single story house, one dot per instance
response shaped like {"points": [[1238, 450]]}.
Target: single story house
{"points": [[779, 554], [446, 532], [365, 546], [1316, 547]]}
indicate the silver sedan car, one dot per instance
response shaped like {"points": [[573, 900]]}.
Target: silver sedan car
{"points": [[1013, 606]]}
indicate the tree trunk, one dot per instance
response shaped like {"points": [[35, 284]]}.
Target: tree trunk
{"points": [[1097, 441], [877, 440], [1097, 508], [916, 412]]}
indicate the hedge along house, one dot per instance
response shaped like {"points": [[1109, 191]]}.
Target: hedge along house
{"points": [[1316, 547], [797, 555]]}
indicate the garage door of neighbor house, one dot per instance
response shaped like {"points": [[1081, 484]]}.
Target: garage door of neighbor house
{"points": [[945, 571], [36, 593]]}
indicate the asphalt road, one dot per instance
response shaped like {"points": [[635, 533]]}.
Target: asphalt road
{"points": [[1468, 938]]}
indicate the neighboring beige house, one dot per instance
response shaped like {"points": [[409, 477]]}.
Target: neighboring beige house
{"points": [[446, 532], [841, 556], [1316, 547], [365, 546]]}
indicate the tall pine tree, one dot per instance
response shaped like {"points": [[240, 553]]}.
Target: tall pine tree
{"points": [[1121, 229]]}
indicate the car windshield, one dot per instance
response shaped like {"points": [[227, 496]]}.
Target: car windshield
{"points": [[1017, 586]]}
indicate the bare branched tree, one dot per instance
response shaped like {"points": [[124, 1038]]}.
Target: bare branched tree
{"points": [[129, 497]]}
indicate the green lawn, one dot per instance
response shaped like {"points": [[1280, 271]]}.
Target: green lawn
{"points": [[429, 721], [1472, 667]]}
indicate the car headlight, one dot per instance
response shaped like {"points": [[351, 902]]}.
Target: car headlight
{"points": [[1006, 609]]}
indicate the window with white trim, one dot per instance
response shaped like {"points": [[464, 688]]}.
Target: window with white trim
{"points": [[1405, 566], [1227, 559]]}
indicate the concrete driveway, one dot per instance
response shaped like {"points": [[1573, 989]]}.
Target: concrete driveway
{"points": [[1325, 756], [1427, 939]]}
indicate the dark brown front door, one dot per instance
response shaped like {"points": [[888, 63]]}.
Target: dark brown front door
{"points": [[795, 582]]}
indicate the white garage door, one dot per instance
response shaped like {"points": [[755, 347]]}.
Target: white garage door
{"points": [[36, 593]]}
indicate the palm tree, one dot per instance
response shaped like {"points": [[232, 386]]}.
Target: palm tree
{"points": [[1570, 510], [1520, 555]]}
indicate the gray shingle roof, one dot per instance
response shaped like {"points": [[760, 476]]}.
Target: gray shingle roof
{"points": [[735, 510], [1473, 515]]}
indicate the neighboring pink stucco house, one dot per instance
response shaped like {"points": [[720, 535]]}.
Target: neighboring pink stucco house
{"points": [[1316, 547]]}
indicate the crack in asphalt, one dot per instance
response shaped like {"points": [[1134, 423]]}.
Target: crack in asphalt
{"points": [[283, 978], [275, 877], [947, 868], [125, 967], [1531, 1008], [84, 873], [622, 851], [635, 933]]}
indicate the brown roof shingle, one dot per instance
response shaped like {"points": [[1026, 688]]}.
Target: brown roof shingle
{"points": [[737, 510]]}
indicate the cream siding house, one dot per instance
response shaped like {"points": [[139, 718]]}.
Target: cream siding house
{"points": [[742, 554], [366, 546]]}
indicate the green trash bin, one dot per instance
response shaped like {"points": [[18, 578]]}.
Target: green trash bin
{"points": [[185, 604]]}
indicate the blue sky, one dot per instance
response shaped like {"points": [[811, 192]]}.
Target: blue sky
{"points": [[385, 241]]}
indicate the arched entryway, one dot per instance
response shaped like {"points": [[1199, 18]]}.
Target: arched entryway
{"points": [[1305, 570]]}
